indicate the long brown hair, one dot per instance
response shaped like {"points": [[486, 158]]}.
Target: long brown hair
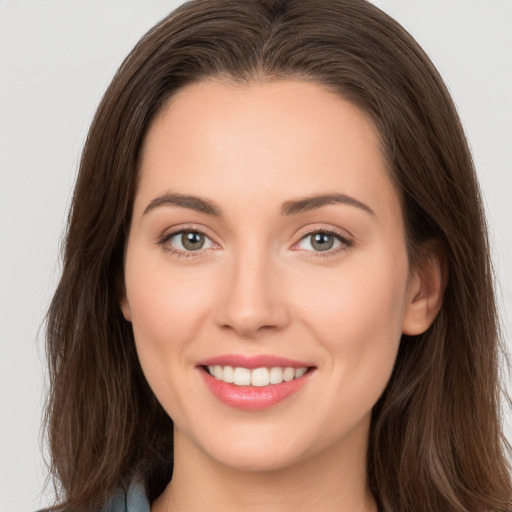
{"points": [[436, 442]]}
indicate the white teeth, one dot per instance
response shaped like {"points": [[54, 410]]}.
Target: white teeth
{"points": [[276, 375], [288, 374], [242, 376], [217, 372], [260, 377], [257, 377], [228, 374], [299, 372]]}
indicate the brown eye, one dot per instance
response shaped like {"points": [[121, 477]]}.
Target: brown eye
{"points": [[188, 241], [192, 240], [322, 241]]}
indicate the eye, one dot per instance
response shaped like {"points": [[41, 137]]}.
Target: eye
{"points": [[321, 241], [188, 240]]}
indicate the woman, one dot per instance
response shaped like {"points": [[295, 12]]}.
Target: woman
{"points": [[276, 240]]}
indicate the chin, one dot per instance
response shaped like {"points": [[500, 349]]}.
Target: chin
{"points": [[261, 460], [256, 452]]}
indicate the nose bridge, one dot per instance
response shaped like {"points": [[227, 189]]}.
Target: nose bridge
{"points": [[253, 299]]}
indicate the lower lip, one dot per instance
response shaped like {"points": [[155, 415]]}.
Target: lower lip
{"points": [[252, 398]]}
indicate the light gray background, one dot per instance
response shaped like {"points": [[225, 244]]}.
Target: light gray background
{"points": [[56, 59]]}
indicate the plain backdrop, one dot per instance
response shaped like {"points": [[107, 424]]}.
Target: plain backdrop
{"points": [[56, 59]]}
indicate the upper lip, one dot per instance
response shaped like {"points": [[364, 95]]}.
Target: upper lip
{"points": [[255, 361]]}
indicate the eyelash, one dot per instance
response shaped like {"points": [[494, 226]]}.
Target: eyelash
{"points": [[345, 242], [165, 239]]}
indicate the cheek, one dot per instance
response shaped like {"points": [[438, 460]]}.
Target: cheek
{"points": [[167, 310], [356, 314], [165, 303], [364, 294]]}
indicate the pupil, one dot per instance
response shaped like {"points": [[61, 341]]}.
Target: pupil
{"points": [[322, 241], [192, 240]]}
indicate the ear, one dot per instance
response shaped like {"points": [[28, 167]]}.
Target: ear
{"points": [[123, 299], [427, 283], [125, 308]]}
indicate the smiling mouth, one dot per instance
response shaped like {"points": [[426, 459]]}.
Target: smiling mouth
{"points": [[256, 377], [254, 383]]}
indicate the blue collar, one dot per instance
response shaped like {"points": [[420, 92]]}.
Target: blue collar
{"points": [[133, 500]]}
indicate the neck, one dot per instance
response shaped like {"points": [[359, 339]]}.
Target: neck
{"points": [[334, 480]]}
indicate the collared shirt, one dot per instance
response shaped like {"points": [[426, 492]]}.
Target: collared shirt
{"points": [[133, 500]]}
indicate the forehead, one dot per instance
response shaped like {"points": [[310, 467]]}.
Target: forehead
{"points": [[287, 138]]}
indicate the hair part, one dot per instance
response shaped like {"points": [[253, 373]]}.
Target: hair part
{"points": [[436, 441]]}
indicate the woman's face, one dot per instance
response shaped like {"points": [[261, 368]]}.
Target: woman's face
{"points": [[266, 234]]}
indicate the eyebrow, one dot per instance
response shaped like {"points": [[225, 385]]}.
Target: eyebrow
{"points": [[292, 207], [185, 201], [314, 202]]}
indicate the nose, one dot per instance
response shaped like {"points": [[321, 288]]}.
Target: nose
{"points": [[252, 300]]}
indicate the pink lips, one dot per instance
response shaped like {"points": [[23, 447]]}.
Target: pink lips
{"points": [[252, 398]]}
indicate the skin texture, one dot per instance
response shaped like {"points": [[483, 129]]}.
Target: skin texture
{"points": [[258, 286]]}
